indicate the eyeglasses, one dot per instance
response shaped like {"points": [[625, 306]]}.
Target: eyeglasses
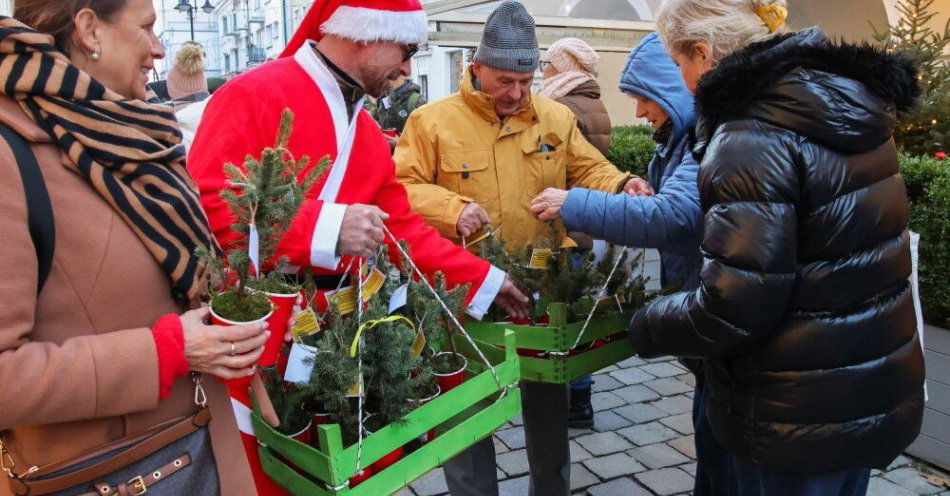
{"points": [[409, 50]]}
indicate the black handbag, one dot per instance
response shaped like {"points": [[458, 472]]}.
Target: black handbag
{"points": [[172, 458]]}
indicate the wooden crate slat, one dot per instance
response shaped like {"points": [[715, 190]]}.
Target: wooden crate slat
{"points": [[467, 413]]}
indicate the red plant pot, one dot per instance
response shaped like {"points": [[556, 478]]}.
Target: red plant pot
{"points": [[543, 320], [304, 435], [529, 353], [221, 321], [361, 476], [449, 381], [387, 461], [277, 324]]}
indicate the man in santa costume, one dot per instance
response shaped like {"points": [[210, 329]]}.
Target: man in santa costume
{"points": [[344, 50]]}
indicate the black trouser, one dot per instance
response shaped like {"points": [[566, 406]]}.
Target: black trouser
{"points": [[544, 408]]}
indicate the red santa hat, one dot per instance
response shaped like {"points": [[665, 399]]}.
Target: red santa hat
{"points": [[402, 21]]}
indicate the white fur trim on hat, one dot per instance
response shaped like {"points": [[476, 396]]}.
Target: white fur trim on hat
{"points": [[363, 24]]}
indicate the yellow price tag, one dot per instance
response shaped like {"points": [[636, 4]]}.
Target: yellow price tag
{"points": [[419, 343], [372, 284], [355, 389], [540, 257], [343, 300], [305, 324]]}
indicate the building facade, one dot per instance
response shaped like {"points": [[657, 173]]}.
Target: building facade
{"points": [[250, 32], [236, 35], [174, 28]]}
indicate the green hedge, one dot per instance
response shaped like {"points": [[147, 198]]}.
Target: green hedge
{"points": [[631, 148], [928, 189]]}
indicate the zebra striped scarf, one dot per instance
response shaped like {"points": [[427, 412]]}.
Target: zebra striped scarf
{"points": [[128, 150]]}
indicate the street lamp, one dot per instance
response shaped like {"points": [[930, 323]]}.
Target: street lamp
{"points": [[185, 6]]}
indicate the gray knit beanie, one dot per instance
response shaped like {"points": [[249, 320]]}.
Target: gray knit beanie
{"points": [[509, 41]]}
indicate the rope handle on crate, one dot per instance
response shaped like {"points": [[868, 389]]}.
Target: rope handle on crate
{"points": [[600, 295], [359, 368], [451, 315]]}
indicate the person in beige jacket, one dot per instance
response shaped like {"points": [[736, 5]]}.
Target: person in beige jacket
{"points": [[98, 348], [479, 156]]}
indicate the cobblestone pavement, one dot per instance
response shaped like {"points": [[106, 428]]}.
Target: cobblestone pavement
{"points": [[642, 443]]}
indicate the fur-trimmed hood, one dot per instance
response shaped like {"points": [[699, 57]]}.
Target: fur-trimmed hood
{"points": [[842, 95]]}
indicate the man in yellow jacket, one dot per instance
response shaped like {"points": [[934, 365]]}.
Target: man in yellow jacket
{"points": [[485, 152], [479, 156]]}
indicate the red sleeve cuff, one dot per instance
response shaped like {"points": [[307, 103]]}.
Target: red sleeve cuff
{"points": [[170, 343]]}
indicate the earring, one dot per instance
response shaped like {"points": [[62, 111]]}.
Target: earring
{"points": [[95, 54]]}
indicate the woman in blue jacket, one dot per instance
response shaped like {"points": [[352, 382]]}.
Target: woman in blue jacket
{"points": [[668, 220]]}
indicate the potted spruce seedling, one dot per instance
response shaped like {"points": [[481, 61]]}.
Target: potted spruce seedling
{"points": [[448, 366], [289, 405], [263, 196]]}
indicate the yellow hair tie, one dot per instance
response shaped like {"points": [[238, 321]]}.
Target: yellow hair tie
{"points": [[369, 324], [773, 15]]}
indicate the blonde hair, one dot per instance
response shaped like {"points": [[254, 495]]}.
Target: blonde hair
{"points": [[725, 25]]}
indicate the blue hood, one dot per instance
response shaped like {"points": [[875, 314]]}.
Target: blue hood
{"points": [[651, 74]]}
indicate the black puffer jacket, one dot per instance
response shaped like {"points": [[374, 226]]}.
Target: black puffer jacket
{"points": [[804, 314]]}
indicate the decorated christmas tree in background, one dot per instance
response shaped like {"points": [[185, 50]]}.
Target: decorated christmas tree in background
{"points": [[926, 129]]}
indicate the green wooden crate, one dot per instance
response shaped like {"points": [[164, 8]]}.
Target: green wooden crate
{"points": [[557, 337], [464, 415]]}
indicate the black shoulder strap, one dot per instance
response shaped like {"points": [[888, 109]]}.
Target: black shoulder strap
{"points": [[38, 207]]}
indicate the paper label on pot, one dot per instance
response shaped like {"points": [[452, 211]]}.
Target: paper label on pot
{"points": [[355, 389], [540, 258], [254, 247], [343, 299], [372, 284], [305, 324], [398, 299], [419, 343], [300, 363]]}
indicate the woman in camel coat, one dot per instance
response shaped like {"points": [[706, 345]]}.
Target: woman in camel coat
{"points": [[103, 350]]}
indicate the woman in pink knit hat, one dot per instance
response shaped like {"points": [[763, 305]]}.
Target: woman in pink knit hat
{"points": [[570, 69], [186, 80]]}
